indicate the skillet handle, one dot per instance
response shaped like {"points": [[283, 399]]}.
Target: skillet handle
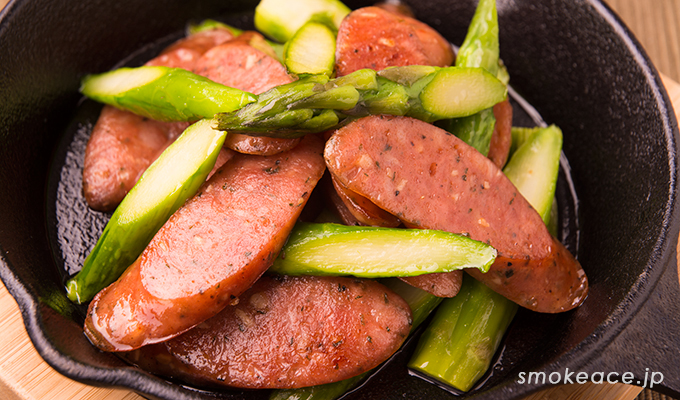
{"points": [[650, 344]]}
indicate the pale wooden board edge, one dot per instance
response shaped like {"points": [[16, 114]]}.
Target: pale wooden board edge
{"points": [[25, 376]]}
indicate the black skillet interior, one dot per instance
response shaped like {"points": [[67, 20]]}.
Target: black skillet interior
{"points": [[570, 59]]}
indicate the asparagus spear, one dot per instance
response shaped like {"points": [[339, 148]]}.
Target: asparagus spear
{"points": [[280, 19], [174, 177], [372, 252], [426, 93], [479, 49], [521, 135], [308, 105], [311, 50], [164, 94], [534, 168], [458, 346]]}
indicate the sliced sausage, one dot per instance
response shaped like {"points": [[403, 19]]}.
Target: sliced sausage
{"points": [[336, 204], [122, 145], [501, 139], [439, 182], [288, 332], [239, 65], [223, 156], [259, 145], [210, 251], [441, 284], [372, 37], [244, 63], [364, 210], [185, 52]]}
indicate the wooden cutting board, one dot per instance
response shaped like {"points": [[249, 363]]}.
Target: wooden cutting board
{"points": [[24, 375]]}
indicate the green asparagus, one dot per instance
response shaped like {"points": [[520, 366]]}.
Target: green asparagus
{"points": [[521, 135], [534, 168], [428, 94], [174, 177], [479, 49], [311, 50], [372, 252], [300, 107], [458, 345], [280, 19], [164, 94]]}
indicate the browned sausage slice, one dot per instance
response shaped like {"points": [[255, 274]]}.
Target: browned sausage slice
{"points": [[372, 37], [259, 145], [443, 284], [240, 65], [501, 139], [364, 210], [185, 52], [210, 251], [223, 156], [336, 205], [288, 332], [439, 182]]}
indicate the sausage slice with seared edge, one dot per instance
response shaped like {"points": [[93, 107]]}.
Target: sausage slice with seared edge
{"points": [[288, 332], [374, 38], [434, 180], [210, 251], [244, 63]]}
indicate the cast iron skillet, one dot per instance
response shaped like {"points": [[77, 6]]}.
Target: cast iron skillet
{"points": [[572, 59]]}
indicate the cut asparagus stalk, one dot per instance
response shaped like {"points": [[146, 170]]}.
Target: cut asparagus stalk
{"points": [[164, 94], [479, 49], [328, 391], [311, 50], [372, 252], [458, 345], [173, 94], [475, 130], [174, 177], [459, 92], [280, 19], [534, 168]]}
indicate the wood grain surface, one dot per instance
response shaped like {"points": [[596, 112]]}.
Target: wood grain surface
{"points": [[24, 375]]}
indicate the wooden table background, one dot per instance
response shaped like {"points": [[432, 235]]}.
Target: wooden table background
{"points": [[24, 375]]}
